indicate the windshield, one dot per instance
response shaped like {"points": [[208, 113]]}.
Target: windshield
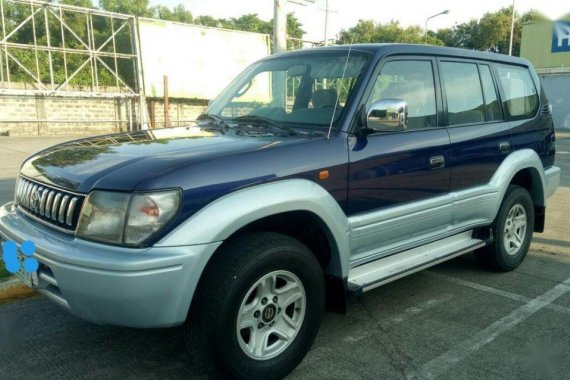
{"points": [[302, 90]]}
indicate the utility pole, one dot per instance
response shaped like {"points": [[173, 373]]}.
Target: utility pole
{"points": [[280, 27], [327, 11], [326, 22], [280, 23], [512, 30]]}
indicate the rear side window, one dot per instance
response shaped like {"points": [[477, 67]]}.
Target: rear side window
{"points": [[521, 98], [463, 92], [492, 107]]}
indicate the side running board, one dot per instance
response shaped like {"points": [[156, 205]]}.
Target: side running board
{"points": [[376, 273]]}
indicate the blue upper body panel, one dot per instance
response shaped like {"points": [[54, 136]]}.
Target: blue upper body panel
{"points": [[207, 163]]}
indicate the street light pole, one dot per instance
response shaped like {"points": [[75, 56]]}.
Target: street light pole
{"points": [[445, 12], [512, 30]]}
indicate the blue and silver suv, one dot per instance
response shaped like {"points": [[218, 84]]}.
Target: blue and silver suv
{"points": [[315, 174]]}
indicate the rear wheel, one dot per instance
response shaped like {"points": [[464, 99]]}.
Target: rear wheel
{"points": [[257, 309], [512, 231]]}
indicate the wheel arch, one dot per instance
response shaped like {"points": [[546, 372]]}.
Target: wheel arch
{"points": [[524, 168], [272, 205], [530, 180]]}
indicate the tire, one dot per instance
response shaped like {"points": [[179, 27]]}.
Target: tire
{"points": [[241, 281], [511, 237]]}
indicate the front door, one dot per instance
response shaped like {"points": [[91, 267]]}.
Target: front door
{"points": [[398, 181]]}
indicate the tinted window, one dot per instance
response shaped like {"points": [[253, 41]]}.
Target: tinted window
{"points": [[463, 93], [411, 81], [492, 108], [521, 98]]}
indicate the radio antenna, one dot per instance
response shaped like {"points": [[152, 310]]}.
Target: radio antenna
{"points": [[339, 89]]}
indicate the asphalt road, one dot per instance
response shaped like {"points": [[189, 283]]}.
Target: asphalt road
{"points": [[453, 321]]}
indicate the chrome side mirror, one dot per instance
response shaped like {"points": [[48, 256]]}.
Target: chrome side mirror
{"points": [[387, 115]]}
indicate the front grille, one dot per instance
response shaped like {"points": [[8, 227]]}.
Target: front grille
{"points": [[546, 110], [52, 206]]}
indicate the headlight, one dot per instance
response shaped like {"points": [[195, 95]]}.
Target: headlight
{"points": [[123, 218]]}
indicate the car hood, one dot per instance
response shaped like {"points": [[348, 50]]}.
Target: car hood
{"points": [[102, 161]]}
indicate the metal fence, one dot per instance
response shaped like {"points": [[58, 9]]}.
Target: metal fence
{"points": [[57, 50], [61, 42]]}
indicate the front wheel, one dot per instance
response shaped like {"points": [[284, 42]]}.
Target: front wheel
{"points": [[258, 308], [512, 230]]}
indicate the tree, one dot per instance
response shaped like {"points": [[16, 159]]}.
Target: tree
{"points": [[162, 12], [130, 7], [490, 33], [363, 32], [78, 3], [493, 33], [368, 31], [181, 14], [462, 35], [252, 23], [249, 23], [206, 21], [294, 27]]}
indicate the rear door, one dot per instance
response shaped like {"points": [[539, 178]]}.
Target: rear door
{"points": [[480, 137]]}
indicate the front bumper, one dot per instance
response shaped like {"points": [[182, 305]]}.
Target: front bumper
{"points": [[150, 287]]}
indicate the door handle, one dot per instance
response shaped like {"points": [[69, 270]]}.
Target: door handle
{"points": [[504, 147], [437, 162]]}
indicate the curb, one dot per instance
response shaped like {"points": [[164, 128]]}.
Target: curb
{"points": [[14, 289]]}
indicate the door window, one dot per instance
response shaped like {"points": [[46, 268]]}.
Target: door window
{"points": [[411, 81], [463, 93], [492, 107]]}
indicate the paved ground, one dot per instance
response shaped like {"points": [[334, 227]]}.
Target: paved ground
{"points": [[454, 321]]}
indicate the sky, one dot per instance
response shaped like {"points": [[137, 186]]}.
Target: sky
{"points": [[346, 13]]}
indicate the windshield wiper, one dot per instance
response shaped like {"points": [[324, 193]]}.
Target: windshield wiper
{"points": [[209, 116], [260, 119], [213, 123]]}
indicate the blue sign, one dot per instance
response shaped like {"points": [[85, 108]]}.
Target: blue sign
{"points": [[561, 37]]}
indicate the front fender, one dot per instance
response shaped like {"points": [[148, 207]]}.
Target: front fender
{"points": [[223, 217]]}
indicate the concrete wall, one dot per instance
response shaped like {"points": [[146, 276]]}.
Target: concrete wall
{"points": [[556, 86], [40, 115], [181, 111]]}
